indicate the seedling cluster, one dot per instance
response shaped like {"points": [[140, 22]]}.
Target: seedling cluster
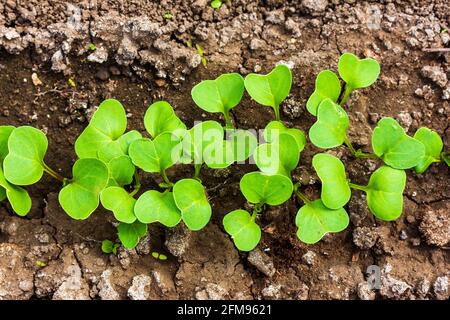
{"points": [[112, 159]]}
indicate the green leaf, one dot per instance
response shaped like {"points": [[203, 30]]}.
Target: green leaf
{"points": [[219, 155], [190, 198], [130, 234], [244, 143], [153, 206], [24, 164], [446, 158], [433, 148], [81, 196], [314, 220], [121, 171], [118, 147], [385, 193], [335, 188], [243, 229], [219, 95], [275, 128], [330, 129], [327, 86], [279, 157], [394, 146], [358, 73], [108, 123], [120, 202], [259, 188], [5, 132], [216, 4], [156, 155], [160, 117], [18, 197], [270, 89], [107, 246]]}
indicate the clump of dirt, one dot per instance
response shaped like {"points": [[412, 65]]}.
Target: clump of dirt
{"points": [[130, 52]]}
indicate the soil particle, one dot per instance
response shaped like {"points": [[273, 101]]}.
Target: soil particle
{"points": [[392, 288], [365, 237], [178, 240], [435, 227], [440, 287], [435, 74], [164, 282], [139, 287], [309, 258], [106, 289], [144, 246], [212, 291], [365, 292], [262, 262], [314, 7]]}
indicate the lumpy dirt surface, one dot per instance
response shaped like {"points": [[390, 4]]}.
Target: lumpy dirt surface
{"points": [[141, 57]]}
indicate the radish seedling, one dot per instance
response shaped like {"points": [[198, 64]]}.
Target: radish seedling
{"points": [[270, 89], [120, 202], [327, 86], [109, 247], [160, 118], [130, 234], [153, 206], [241, 226], [433, 148]]}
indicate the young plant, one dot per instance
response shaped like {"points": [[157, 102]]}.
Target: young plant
{"points": [[327, 86], [130, 233], [433, 148], [270, 89], [153, 206], [109, 247]]}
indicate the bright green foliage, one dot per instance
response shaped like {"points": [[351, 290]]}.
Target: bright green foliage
{"points": [[156, 155], [121, 171], [5, 132], [24, 164], [108, 123], [330, 129], [119, 147], [80, 197], [433, 148], [385, 193], [219, 95], [358, 73], [275, 128], [190, 198], [394, 146], [260, 188], [243, 229], [18, 197], [327, 86], [130, 234], [243, 142], [120, 202], [278, 157], [153, 206], [335, 188], [159, 256], [109, 247], [270, 89], [216, 4], [160, 117], [314, 220], [446, 158]]}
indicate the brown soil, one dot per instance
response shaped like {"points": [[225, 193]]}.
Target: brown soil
{"points": [[140, 58]]}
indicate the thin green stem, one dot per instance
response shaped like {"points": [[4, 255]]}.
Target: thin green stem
{"points": [[277, 112], [357, 186], [228, 123], [197, 168], [347, 92], [358, 153], [302, 197], [53, 173], [165, 178], [257, 208], [349, 145], [137, 185]]}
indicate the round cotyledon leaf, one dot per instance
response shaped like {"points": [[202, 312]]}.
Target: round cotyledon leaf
{"points": [[385, 193], [18, 197], [358, 73], [121, 171], [119, 147], [433, 148], [259, 188], [153, 206], [190, 198], [273, 130], [80, 197], [5, 132], [120, 202], [330, 129], [160, 117], [327, 86], [244, 143], [108, 123], [335, 188], [243, 229], [314, 220], [24, 164], [394, 146], [130, 233]]}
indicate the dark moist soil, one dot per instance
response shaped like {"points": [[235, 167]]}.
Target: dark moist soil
{"points": [[141, 58]]}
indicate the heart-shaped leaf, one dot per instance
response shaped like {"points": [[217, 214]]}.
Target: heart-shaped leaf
{"points": [[219, 95], [121, 171], [5, 132], [275, 128], [24, 164], [330, 129], [190, 198], [385, 193], [219, 155], [130, 234], [243, 143], [120, 202], [270, 89], [160, 117], [327, 86], [433, 148], [358, 73], [314, 220], [394, 146], [335, 188], [259, 188], [153, 206], [279, 157], [446, 158], [118, 147], [18, 197], [156, 155], [81, 196], [242, 228], [108, 123]]}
